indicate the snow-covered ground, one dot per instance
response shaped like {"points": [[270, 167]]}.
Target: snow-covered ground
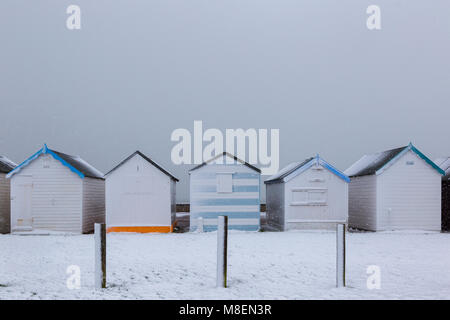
{"points": [[264, 265]]}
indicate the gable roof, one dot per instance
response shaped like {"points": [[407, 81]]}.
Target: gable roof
{"points": [[444, 164], [376, 163], [6, 165], [137, 152], [74, 163], [295, 168], [228, 155]]}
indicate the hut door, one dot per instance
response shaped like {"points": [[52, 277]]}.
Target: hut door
{"points": [[21, 203]]}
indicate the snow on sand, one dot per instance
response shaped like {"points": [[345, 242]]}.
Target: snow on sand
{"points": [[264, 265]]}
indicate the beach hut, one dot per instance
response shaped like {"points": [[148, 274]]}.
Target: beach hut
{"points": [[6, 166], [57, 192], [394, 190], [225, 185], [444, 164], [311, 194], [140, 196]]}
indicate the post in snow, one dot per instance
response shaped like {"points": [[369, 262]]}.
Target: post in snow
{"points": [[340, 255], [222, 245], [100, 255]]}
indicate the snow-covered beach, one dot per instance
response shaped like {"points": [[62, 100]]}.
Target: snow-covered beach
{"points": [[262, 265]]}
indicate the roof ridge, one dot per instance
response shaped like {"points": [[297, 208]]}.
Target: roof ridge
{"points": [[146, 158], [376, 163], [75, 163], [389, 150], [226, 153], [280, 176]]}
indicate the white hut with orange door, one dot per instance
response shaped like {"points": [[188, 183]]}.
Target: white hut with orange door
{"points": [[140, 196]]}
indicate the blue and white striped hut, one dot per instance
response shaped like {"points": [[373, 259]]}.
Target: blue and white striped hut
{"points": [[225, 185]]}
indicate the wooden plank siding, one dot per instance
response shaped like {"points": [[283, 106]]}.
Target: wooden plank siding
{"points": [[362, 196], [324, 216], [242, 205], [275, 206], [56, 200], [60, 199], [93, 203], [140, 197], [5, 204], [409, 195], [445, 225], [405, 195]]}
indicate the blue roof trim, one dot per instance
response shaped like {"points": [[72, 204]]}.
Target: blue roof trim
{"points": [[65, 163], [319, 161], [334, 170], [24, 164], [416, 151], [44, 150], [427, 160]]}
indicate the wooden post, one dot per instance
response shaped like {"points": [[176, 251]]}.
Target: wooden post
{"points": [[200, 224], [340, 255], [222, 246], [100, 255]]}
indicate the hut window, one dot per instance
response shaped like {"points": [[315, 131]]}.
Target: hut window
{"points": [[409, 163], [299, 197], [317, 196], [224, 182], [308, 197]]}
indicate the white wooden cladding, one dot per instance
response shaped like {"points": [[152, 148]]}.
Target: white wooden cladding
{"points": [[139, 194], [407, 195], [58, 199], [314, 199]]}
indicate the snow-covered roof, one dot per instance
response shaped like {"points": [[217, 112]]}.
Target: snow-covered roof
{"points": [[146, 159], [6, 165], [287, 170], [80, 164], [375, 163], [296, 168], [444, 164], [226, 154], [74, 163]]}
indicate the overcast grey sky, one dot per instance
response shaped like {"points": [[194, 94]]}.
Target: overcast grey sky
{"points": [[137, 70]]}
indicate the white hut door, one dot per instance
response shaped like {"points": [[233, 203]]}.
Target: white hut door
{"points": [[21, 202]]}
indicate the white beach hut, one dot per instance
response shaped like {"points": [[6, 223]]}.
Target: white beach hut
{"points": [[58, 192], [225, 185], [6, 166], [311, 194], [395, 189], [140, 196]]}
